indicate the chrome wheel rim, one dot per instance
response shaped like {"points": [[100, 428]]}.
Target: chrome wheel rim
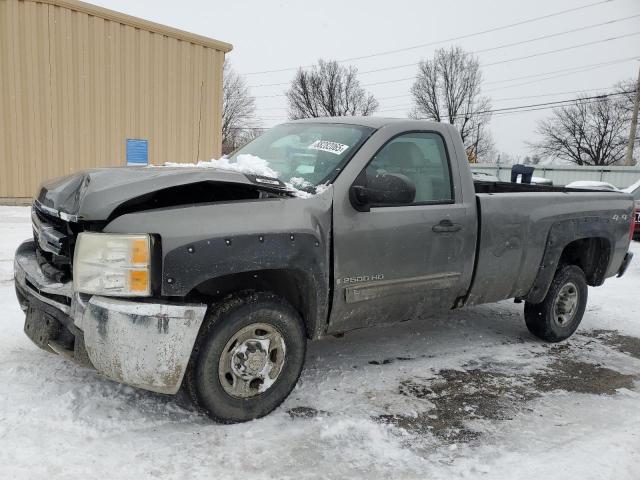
{"points": [[252, 360], [566, 304]]}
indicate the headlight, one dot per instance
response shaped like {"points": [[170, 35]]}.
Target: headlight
{"points": [[112, 264]]}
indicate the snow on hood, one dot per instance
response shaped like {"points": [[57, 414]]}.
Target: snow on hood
{"points": [[246, 164], [253, 165]]}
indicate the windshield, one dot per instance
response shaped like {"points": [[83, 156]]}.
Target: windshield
{"points": [[306, 154]]}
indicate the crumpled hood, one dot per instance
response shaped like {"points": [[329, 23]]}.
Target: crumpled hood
{"points": [[95, 194]]}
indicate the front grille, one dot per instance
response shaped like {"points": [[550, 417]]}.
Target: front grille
{"points": [[54, 242], [50, 219]]}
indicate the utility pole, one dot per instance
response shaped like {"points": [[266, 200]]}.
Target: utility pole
{"points": [[634, 124]]}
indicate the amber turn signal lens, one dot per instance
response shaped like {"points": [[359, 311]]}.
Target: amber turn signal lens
{"points": [[139, 280], [140, 251]]}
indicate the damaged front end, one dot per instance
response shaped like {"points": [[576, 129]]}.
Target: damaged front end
{"points": [[101, 195], [146, 344], [144, 336]]}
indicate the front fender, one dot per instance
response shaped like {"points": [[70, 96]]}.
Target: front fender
{"points": [[203, 242]]}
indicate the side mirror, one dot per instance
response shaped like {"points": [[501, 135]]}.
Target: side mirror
{"points": [[385, 189]]}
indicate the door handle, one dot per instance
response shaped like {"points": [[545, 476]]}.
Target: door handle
{"points": [[446, 226]]}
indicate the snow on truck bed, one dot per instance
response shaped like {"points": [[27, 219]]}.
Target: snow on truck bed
{"points": [[467, 395]]}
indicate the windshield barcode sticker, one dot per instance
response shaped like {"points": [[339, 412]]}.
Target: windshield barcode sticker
{"points": [[326, 146]]}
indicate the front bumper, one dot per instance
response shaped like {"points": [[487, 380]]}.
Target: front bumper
{"points": [[140, 343]]}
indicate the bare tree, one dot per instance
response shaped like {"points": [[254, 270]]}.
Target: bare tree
{"points": [[241, 137], [627, 91], [448, 89], [589, 131], [238, 108], [328, 89]]}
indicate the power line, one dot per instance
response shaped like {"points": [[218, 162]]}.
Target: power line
{"points": [[530, 107], [497, 47], [513, 112], [548, 104], [529, 82], [550, 76], [505, 45], [271, 96], [564, 49], [506, 99], [549, 52], [392, 108], [452, 39], [570, 71], [510, 112]]}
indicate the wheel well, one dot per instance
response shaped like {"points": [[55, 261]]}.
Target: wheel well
{"points": [[591, 255], [292, 285]]}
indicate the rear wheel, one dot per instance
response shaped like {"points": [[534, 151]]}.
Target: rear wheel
{"points": [[248, 357], [559, 314]]}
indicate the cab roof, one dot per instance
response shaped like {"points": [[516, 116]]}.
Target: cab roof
{"points": [[365, 121]]}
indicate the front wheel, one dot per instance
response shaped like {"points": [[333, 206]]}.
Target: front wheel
{"points": [[559, 314], [248, 357]]}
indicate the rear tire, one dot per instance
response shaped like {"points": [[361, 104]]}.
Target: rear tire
{"points": [[247, 358], [559, 314]]}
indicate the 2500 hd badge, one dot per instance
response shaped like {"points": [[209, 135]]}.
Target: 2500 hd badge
{"points": [[360, 279]]}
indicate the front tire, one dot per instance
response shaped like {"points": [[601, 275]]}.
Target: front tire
{"points": [[559, 314], [248, 357]]}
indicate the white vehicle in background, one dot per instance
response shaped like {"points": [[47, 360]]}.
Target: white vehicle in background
{"points": [[593, 185]]}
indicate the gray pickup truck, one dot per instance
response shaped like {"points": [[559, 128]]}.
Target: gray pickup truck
{"points": [[213, 279]]}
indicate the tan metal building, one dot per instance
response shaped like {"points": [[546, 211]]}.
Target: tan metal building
{"points": [[84, 87]]}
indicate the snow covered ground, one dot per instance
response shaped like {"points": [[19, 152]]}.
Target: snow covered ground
{"points": [[468, 395]]}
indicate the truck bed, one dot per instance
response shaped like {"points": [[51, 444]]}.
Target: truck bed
{"points": [[519, 223]]}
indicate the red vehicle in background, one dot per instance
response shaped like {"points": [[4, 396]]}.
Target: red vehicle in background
{"points": [[635, 191]]}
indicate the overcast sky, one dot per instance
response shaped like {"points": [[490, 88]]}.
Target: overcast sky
{"points": [[273, 35]]}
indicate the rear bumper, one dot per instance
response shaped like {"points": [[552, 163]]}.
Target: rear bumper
{"points": [[140, 343], [625, 263]]}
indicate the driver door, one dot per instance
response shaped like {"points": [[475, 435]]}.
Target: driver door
{"points": [[400, 261]]}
